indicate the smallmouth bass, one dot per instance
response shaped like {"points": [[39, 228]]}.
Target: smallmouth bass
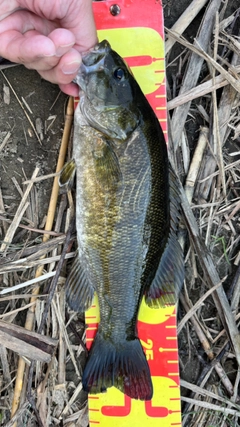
{"points": [[126, 219]]}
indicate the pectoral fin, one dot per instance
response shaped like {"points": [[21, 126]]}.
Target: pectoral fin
{"points": [[107, 167], [67, 175], [79, 290]]}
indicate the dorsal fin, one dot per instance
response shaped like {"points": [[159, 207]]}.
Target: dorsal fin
{"points": [[168, 280]]}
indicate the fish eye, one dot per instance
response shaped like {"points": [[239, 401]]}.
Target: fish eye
{"points": [[119, 74]]}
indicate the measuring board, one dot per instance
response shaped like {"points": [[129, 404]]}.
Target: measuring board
{"points": [[135, 30]]}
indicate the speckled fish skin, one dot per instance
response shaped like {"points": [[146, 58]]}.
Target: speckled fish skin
{"points": [[122, 217]]}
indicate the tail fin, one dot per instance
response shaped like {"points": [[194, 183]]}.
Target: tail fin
{"points": [[124, 367]]}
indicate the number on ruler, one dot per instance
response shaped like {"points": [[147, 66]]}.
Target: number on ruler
{"points": [[124, 411]]}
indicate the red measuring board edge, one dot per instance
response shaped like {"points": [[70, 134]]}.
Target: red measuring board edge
{"points": [[137, 34]]}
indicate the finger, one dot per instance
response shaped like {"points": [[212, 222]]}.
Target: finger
{"points": [[75, 15], [63, 41], [79, 19], [23, 21], [23, 49], [70, 89], [36, 51], [16, 48], [65, 70]]}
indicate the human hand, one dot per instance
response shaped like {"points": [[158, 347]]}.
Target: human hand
{"points": [[48, 36]]}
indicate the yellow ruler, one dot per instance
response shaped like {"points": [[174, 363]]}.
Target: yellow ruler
{"points": [[134, 29]]}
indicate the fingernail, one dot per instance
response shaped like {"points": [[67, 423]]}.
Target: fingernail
{"points": [[71, 67], [46, 56], [62, 49]]}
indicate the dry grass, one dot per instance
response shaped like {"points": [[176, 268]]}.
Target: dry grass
{"points": [[209, 344], [210, 172], [57, 343]]}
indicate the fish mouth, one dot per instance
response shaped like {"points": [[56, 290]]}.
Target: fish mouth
{"points": [[92, 62], [94, 57]]}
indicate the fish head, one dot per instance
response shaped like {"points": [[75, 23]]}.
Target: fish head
{"points": [[105, 78]]}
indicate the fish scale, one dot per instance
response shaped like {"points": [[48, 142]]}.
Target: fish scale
{"points": [[113, 253]]}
